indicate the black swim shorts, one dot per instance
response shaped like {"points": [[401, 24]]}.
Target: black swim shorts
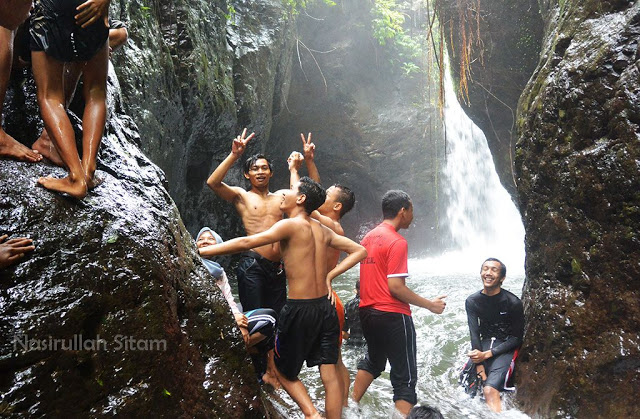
{"points": [[496, 367], [307, 330], [53, 30]]}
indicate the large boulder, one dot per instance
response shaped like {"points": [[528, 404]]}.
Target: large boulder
{"points": [[578, 155], [113, 313]]}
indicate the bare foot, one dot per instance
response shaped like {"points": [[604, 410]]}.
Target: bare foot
{"points": [[77, 189], [9, 147], [272, 380], [45, 146], [93, 181]]}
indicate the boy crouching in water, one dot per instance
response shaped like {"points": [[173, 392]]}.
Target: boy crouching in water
{"points": [[308, 324]]}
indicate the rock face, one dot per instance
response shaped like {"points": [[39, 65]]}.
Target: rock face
{"points": [[504, 43], [195, 73], [578, 155], [113, 313]]}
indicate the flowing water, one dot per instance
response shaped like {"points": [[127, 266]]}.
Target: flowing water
{"points": [[482, 222]]}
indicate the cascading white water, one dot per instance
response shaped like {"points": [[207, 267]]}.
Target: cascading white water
{"points": [[481, 218]]}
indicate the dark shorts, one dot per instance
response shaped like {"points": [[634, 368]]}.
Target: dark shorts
{"points": [[53, 30], [261, 283], [307, 331], [263, 321], [392, 337], [496, 367]]}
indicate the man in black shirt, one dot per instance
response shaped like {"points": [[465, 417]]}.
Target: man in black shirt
{"points": [[496, 324]]}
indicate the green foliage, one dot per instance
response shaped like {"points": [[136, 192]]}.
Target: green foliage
{"points": [[389, 27]]}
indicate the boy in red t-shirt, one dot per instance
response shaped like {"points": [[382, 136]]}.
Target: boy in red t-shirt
{"points": [[385, 314]]}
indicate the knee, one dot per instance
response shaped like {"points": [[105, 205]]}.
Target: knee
{"points": [[490, 393]]}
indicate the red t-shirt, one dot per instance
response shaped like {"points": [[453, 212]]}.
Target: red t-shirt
{"points": [[387, 258]]}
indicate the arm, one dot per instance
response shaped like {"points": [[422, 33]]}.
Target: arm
{"points": [[91, 11], [14, 12], [14, 249], [474, 325], [309, 149], [399, 290], [224, 191], [355, 252], [279, 231], [295, 162], [117, 38], [517, 329]]}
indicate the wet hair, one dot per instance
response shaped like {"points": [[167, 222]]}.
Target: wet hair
{"points": [[253, 159], [346, 197], [314, 192], [503, 267], [425, 412], [393, 201]]}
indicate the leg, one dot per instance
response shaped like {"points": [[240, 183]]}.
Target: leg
{"points": [[403, 361], [361, 384], [48, 75], [44, 145], [343, 373], [250, 276], [492, 396], [9, 147], [271, 376], [95, 111], [332, 389], [299, 394]]}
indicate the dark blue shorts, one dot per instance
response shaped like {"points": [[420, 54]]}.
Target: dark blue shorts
{"points": [[261, 283]]}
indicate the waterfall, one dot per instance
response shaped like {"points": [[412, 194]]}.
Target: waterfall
{"points": [[481, 219]]}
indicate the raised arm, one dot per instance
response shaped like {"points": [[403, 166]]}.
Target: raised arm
{"points": [[279, 231], [309, 149], [224, 191], [295, 162]]}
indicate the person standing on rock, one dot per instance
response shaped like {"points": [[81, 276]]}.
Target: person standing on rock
{"points": [[261, 277], [308, 325], [496, 325], [67, 31], [385, 314]]}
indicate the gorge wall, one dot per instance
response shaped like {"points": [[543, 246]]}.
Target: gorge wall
{"points": [[195, 73], [577, 182]]}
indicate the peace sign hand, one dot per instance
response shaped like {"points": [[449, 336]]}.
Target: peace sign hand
{"points": [[308, 147], [240, 142]]}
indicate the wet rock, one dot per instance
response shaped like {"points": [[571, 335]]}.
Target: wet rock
{"points": [[578, 181], [505, 38], [113, 313]]}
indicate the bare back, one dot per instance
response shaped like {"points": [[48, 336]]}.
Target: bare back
{"points": [[305, 255], [259, 213]]}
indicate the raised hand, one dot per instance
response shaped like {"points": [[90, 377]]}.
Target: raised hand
{"points": [[240, 142], [295, 160], [308, 147], [91, 11]]}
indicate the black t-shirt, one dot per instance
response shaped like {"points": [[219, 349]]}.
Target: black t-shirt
{"points": [[500, 316]]}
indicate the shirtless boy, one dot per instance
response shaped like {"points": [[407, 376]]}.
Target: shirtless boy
{"points": [[339, 201], [261, 277], [308, 325]]}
